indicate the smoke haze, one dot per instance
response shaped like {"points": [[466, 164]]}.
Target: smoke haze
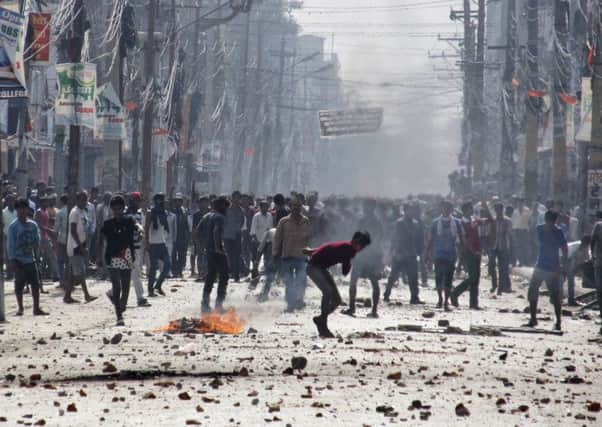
{"points": [[383, 51]]}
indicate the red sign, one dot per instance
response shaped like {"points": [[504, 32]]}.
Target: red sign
{"points": [[40, 46]]}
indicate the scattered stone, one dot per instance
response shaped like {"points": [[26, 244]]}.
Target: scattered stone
{"points": [[503, 356], [428, 314], [184, 396], [593, 406], [41, 422], [443, 323], [395, 376], [252, 331], [462, 411], [409, 328], [574, 380], [384, 409], [109, 368], [500, 402], [149, 395], [549, 353], [35, 377], [116, 339], [71, 407], [299, 362], [192, 422]]}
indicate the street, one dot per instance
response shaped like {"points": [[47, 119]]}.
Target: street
{"points": [[64, 370]]}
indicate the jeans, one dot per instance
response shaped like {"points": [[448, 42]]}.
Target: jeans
{"points": [[324, 281], [472, 264], [49, 257], [570, 277], [217, 267], [179, 257], [294, 275], [137, 275], [444, 274], [499, 260], [157, 252], [409, 266], [62, 262], [120, 279], [371, 274], [522, 247], [553, 281], [233, 249]]}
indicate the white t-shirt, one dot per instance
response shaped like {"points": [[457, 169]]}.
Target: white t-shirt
{"points": [[80, 218], [157, 236]]}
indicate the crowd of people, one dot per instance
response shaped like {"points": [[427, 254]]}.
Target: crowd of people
{"points": [[125, 239]]}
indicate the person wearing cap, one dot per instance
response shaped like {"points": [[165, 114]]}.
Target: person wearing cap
{"points": [[182, 236], [23, 239], [156, 235], [444, 237]]}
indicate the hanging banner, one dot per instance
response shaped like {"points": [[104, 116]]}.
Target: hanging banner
{"points": [[40, 41], [75, 98], [110, 115], [12, 73], [350, 122]]}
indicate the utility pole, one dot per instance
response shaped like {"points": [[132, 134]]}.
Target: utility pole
{"points": [[478, 110], [507, 167], [468, 61], [75, 43], [148, 102], [561, 70], [171, 162], [241, 123], [533, 102], [277, 140], [260, 143]]}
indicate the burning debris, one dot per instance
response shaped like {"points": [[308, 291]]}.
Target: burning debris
{"points": [[215, 322]]}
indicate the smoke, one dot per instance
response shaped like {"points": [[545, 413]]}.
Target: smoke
{"points": [[383, 51]]}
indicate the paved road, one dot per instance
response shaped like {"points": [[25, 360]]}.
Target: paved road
{"points": [[372, 375]]}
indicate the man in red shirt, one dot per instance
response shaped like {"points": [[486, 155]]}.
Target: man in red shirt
{"points": [[471, 256], [320, 261]]}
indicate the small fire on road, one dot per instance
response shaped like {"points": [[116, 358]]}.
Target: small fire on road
{"points": [[212, 323]]}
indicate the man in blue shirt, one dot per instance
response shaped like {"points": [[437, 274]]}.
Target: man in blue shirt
{"points": [[23, 238], [549, 267], [444, 236]]}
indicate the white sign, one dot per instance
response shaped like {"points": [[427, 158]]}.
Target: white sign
{"points": [[75, 100], [12, 71], [110, 115]]}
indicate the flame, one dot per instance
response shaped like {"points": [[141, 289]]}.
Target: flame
{"points": [[220, 323]]}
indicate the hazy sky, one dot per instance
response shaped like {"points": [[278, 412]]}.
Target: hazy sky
{"points": [[383, 48]]}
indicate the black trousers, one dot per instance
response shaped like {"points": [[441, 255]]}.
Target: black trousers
{"points": [[27, 274], [472, 264], [120, 281], [233, 249], [217, 268], [331, 298], [409, 266]]}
